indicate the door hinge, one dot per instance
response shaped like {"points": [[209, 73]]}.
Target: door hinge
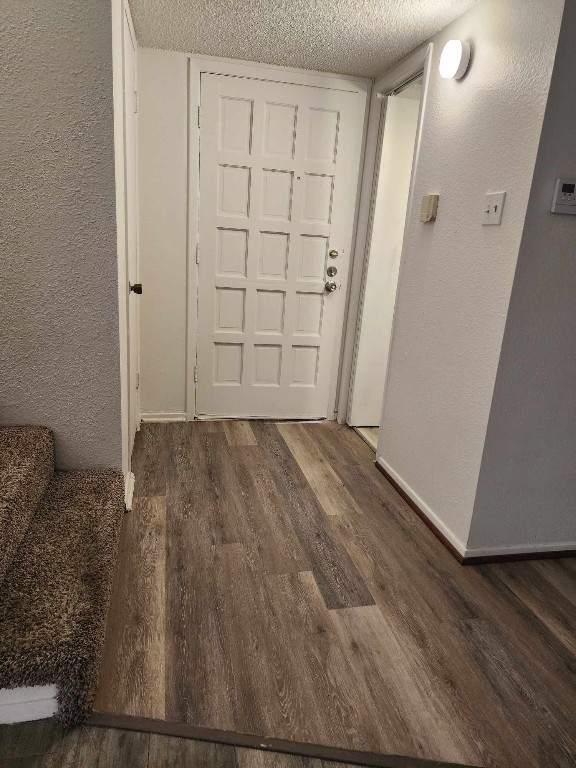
{"points": [[195, 373], [198, 117], [135, 102], [197, 253], [138, 381]]}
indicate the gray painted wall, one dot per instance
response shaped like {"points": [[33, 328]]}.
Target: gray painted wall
{"points": [[59, 357], [527, 486]]}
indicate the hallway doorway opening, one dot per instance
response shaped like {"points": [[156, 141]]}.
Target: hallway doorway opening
{"points": [[393, 173]]}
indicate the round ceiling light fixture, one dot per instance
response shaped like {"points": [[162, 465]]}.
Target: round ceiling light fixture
{"points": [[455, 59]]}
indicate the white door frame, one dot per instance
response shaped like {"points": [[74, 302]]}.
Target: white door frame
{"points": [[413, 64], [219, 66], [133, 333], [121, 10]]}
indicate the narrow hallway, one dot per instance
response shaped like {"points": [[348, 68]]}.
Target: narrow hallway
{"points": [[271, 582]]}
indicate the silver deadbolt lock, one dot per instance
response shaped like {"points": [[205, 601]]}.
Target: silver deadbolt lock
{"points": [[333, 253], [330, 286], [331, 271]]}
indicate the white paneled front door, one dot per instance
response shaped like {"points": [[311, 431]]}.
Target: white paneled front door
{"points": [[279, 167]]}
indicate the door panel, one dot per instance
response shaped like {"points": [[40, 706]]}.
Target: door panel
{"points": [[130, 134], [279, 167]]}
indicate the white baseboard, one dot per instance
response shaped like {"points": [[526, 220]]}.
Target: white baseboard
{"points": [[521, 549], [37, 702], [304, 419], [458, 545], [496, 552], [128, 490], [178, 416]]}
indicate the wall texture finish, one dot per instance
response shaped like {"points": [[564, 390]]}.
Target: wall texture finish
{"points": [[162, 139], [479, 134], [527, 487], [59, 358], [358, 38]]}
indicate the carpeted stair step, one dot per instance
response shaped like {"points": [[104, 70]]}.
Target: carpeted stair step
{"points": [[56, 594], [26, 468]]}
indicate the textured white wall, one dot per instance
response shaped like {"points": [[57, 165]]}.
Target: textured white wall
{"points": [[479, 134], [162, 146], [527, 487], [384, 261], [59, 357]]}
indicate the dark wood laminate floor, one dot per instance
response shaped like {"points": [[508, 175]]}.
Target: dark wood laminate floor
{"points": [[42, 744], [272, 582]]}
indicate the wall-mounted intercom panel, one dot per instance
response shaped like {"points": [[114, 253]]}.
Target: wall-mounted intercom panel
{"points": [[564, 200]]}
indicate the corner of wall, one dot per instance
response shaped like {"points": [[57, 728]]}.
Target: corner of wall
{"points": [[526, 490], [479, 134]]}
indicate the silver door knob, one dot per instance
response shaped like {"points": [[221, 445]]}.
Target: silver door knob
{"points": [[331, 271], [330, 286]]}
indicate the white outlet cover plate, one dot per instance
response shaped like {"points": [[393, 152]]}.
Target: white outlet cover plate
{"points": [[493, 206]]}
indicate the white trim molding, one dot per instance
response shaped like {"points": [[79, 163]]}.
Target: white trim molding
{"points": [[161, 417], [120, 11], [35, 702], [239, 68], [520, 549], [479, 555], [440, 526], [120, 178], [129, 481]]}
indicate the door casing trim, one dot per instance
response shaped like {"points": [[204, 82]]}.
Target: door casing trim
{"points": [[416, 62], [120, 10]]}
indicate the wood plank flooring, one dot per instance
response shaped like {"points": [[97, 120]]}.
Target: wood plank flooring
{"points": [[272, 582], [42, 744]]}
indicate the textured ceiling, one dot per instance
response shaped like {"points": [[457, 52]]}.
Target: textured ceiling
{"points": [[356, 37]]}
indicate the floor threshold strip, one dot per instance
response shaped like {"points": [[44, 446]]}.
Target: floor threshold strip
{"points": [[250, 741]]}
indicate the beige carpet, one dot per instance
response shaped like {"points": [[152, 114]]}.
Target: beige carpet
{"points": [[56, 589]]}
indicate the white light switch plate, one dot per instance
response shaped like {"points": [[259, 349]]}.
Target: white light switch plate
{"points": [[493, 206]]}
